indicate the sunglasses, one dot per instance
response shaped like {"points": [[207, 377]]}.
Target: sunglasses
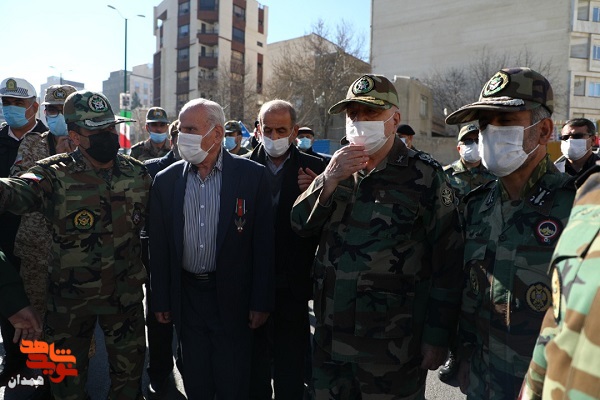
{"points": [[575, 136]]}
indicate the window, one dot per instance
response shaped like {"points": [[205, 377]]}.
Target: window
{"points": [[184, 30], [184, 8], [237, 56], [423, 107], [208, 5], [596, 14], [596, 52], [181, 100], [239, 35], [183, 76], [183, 54], [259, 44], [579, 86], [594, 89], [239, 12]]}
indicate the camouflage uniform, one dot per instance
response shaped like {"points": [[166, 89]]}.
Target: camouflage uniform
{"points": [[387, 273], [95, 273], [507, 249], [566, 361], [143, 151], [463, 179]]}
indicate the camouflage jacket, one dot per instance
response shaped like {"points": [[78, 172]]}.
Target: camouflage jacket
{"points": [[387, 270], [566, 359], [463, 179], [143, 151], [507, 249], [95, 218]]}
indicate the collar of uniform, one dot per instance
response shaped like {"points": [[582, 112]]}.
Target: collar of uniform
{"points": [[537, 173], [398, 154], [148, 145], [83, 164]]}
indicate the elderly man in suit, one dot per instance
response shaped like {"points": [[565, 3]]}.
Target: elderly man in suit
{"points": [[211, 254]]}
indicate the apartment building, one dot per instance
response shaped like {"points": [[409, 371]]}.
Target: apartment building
{"points": [[213, 49], [416, 38]]}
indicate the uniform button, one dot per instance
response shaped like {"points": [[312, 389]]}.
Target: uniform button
{"points": [[202, 224], [502, 238], [202, 206], [201, 246]]}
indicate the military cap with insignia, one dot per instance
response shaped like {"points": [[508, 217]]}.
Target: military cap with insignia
{"points": [[372, 90], [156, 114], [465, 130], [509, 90], [57, 94], [17, 87], [90, 110]]}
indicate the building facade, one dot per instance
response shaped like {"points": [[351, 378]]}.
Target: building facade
{"points": [[211, 49], [139, 86], [563, 37]]}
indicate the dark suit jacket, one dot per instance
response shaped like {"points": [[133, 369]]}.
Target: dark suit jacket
{"points": [[294, 255], [244, 259]]}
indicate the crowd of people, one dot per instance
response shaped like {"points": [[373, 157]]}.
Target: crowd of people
{"points": [[483, 267]]}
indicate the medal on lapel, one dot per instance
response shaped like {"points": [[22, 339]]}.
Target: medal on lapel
{"points": [[240, 211]]}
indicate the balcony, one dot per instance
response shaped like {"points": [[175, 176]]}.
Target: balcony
{"points": [[209, 16], [208, 60], [210, 37]]}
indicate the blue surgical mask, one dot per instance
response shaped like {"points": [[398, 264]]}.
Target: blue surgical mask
{"points": [[304, 143], [229, 142], [15, 116], [158, 137], [57, 125]]}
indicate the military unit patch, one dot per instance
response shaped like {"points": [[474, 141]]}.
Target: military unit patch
{"points": [[547, 231], [496, 84], [31, 176], [556, 294], [363, 85], [84, 220], [538, 297], [447, 196], [474, 281], [97, 104]]}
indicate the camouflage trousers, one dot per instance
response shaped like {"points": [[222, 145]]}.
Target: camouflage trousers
{"points": [[32, 246], [125, 344], [493, 378], [352, 381]]}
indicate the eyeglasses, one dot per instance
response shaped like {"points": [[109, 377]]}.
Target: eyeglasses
{"points": [[470, 141], [575, 136], [53, 112]]}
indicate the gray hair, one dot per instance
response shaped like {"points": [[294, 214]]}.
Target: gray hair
{"points": [[214, 112], [277, 105], [539, 113]]}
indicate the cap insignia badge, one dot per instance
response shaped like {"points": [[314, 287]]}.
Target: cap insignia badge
{"points": [[11, 84], [59, 94], [496, 84], [97, 104], [363, 85]]}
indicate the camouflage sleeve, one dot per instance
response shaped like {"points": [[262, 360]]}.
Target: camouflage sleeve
{"points": [[25, 194], [534, 380], [32, 149], [308, 216], [445, 239]]}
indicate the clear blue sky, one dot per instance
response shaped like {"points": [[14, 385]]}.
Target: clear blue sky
{"points": [[83, 39]]}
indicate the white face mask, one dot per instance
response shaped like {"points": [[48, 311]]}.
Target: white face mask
{"points": [[469, 152], [190, 147], [278, 147], [370, 134], [501, 148], [574, 149]]}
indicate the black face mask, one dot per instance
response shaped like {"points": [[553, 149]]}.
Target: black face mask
{"points": [[103, 146]]}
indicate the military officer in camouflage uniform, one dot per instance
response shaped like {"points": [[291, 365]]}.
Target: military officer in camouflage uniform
{"points": [[157, 145], [388, 268], [512, 226], [566, 361], [466, 173], [94, 200], [33, 240]]}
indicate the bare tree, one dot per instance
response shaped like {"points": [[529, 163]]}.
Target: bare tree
{"points": [[315, 71], [456, 86]]}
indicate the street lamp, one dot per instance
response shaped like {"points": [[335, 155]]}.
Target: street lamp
{"points": [[60, 73], [125, 68]]}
